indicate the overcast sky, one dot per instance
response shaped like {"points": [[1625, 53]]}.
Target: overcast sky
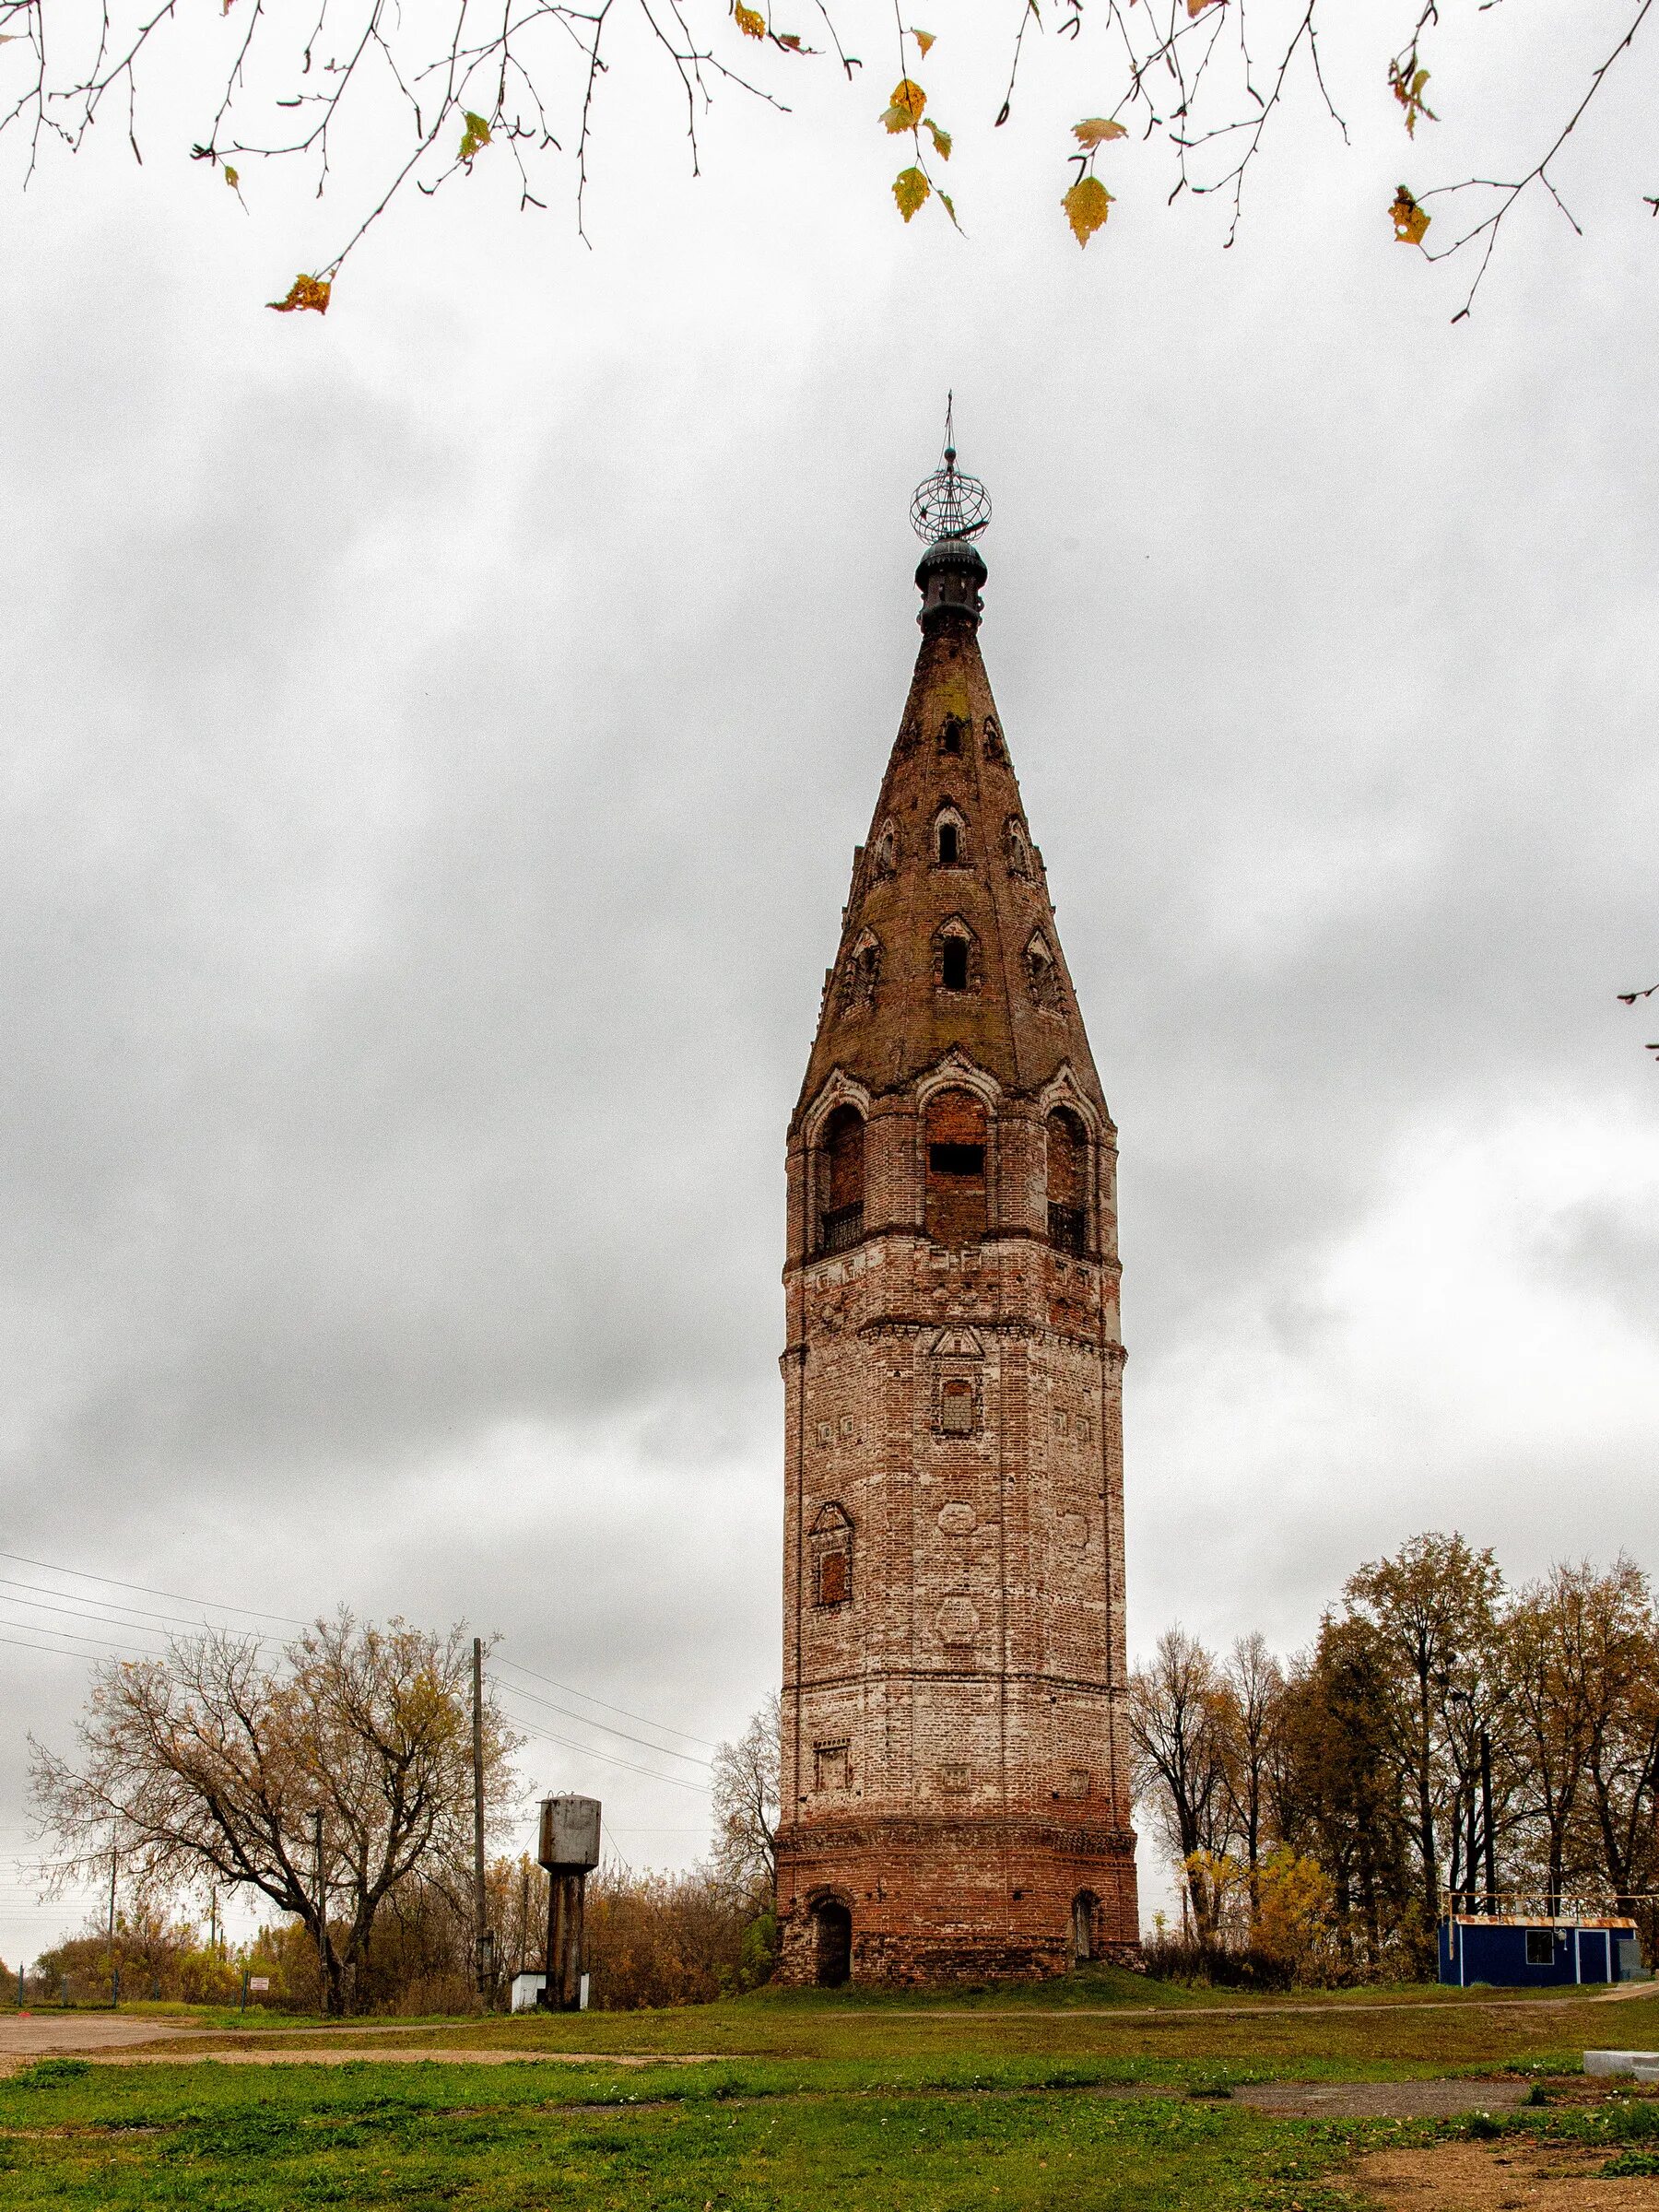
{"points": [[436, 740]]}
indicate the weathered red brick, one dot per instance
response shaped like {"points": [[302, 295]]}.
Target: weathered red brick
{"points": [[955, 1748]]}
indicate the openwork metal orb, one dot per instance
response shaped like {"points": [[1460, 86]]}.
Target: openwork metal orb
{"points": [[949, 504]]}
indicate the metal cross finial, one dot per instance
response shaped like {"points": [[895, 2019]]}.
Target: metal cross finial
{"points": [[949, 504]]}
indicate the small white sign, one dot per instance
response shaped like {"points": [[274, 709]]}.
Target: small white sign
{"points": [[258, 1985]]}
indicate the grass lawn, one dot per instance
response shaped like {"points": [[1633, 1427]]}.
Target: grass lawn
{"points": [[1119, 2026], [891, 2107]]}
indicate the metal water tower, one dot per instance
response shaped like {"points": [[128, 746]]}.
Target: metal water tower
{"points": [[568, 1848]]}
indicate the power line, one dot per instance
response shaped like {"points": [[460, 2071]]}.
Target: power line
{"points": [[147, 1590], [673, 1781], [663, 1750], [43, 1590], [256, 1612], [623, 1710], [120, 1649], [107, 1620]]}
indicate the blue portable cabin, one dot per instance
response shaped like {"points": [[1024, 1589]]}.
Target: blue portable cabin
{"points": [[1517, 1951]]}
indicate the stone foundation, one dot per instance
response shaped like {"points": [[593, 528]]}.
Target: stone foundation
{"points": [[929, 1903]]}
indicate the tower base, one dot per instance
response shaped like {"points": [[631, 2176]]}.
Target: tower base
{"points": [[919, 1902]]}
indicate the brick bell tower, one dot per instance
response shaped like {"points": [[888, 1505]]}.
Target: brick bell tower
{"points": [[955, 1771]]}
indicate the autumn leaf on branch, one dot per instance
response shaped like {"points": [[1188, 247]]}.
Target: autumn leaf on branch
{"points": [[1410, 222], [910, 189], [231, 178], [475, 137], [305, 292], [1095, 130], [1406, 85], [1196, 7], [941, 138], [923, 38], [751, 25], [905, 110], [1086, 205]]}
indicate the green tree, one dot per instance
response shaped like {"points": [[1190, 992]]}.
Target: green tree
{"points": [[1432, 1609]]}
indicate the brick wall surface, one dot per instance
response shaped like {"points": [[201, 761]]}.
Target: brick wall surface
{"points": [[955, 1758]]}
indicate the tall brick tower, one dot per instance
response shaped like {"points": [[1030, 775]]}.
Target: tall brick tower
{"points": [[955, 1775]]}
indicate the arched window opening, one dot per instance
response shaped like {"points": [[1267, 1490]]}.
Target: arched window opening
{"points": [[953, 964], [841, 1180], [887, 849], [1067, 1181], [1019, 851], [950, 844], [1082, 1927], [832, 1945], [861, 972], [956, 1182], [956, 1407], [1042, 972], [994, 746], [952, 736], [830, 1543]]}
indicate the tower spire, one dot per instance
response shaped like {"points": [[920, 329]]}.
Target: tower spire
{"points": [[955, 1778]]}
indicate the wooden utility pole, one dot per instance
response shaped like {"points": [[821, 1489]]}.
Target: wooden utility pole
{"points": [[321, 1911], [114, 1970], [484, 1962]]}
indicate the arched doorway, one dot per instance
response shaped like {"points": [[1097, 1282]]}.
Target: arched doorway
{"points": [[1082, 1927], [832, 1925]]}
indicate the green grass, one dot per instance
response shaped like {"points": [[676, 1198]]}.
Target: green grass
{"points": [[1378, 2033], [219, 2139], [212, 2138], [813, 2101]]}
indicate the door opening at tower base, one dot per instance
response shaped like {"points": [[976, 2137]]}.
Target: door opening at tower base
{"points": [[1082, 1928], [832, 1931]]}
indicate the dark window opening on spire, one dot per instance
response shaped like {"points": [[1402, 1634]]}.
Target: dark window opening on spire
{"points": [[957, 1207], [950, 738], [841, 1180], [956, 1159], [953, 961], [950, 844], [1067, 1181]]}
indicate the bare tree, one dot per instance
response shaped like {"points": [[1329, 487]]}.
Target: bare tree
{"points": [[401, 92], [1249, 1704], [1177, 1737], [321, 1779], [746, 1805]]}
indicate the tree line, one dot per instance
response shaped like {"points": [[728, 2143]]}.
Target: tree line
{"points": [[1444, 1734], [330, 1780]]}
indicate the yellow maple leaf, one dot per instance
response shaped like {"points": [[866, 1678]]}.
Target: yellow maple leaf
{"points": [[1086, 204], [305, 292], [910, 188], [1094, 130], [941, 138], [904, 113], [923, 38], [751, 25], [476, 135], [1410, 222]]}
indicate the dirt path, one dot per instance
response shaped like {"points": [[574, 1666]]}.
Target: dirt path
{"points": [[1380, 2099], [24, 2035], [1509, 2177]]}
